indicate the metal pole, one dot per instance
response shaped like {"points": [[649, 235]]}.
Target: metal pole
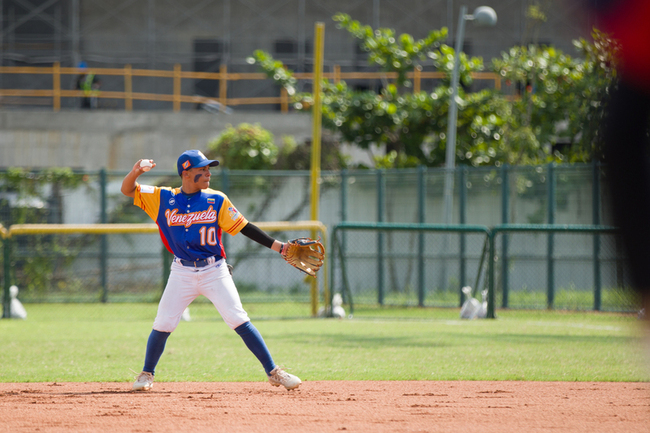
{"points": [[450, 157], [319, 32], [316, 119], [550, 273], [505, 205], [463, 220], [595, 203], [103, 253], [380, 237], [6, 303], [421, 220], [344, 218], [491, 265]]}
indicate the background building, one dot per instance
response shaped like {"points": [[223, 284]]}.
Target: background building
{"points": [[202, 35]]}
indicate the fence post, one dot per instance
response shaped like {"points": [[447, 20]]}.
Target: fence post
{"points": [[491, 264], [497, 82], [284, 101], [337, 74], [103, 252], [344, 218], [128, 88], [421, 220], [6, 302], [177, 87], [505, 205], [416, 78], [56, 83], [595, 203], [380, 236], [550, 273], [223, 85], [462, 208]]}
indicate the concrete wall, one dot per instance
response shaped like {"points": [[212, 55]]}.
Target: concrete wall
{"points": [[115, 140]]}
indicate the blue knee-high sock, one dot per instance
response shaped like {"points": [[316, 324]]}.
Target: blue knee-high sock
{"points": [[155, 348], [256, 344]]}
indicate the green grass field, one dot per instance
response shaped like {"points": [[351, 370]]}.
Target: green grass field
{"points": [[90, 343]]}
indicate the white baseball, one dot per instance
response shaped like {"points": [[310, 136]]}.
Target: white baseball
{"points": [[146, 164]]}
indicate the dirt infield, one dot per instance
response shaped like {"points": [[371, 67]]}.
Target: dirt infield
{"points": [[347, 406]]}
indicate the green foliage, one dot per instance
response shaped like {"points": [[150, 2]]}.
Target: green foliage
{"points": [[396, 160], [29, 181], [536, 13], [246, 147], [557, 90], [29, 188], [251, 147], [600, 78], [411, 127], [546, 78], [390, 52], [39, 200], [560, 100], [275, 70]]}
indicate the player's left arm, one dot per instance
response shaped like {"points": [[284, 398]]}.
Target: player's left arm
{"points": [[255, 233]]}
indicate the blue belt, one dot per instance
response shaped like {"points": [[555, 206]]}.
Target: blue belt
{"points": [[198, 263]]}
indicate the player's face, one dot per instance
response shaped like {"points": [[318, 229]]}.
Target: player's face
{"points": [[200, 177]]}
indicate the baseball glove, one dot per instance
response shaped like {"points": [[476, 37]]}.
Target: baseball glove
{"points": [[304, 254]]}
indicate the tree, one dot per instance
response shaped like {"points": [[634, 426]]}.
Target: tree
{"points": [[246, 147], [390, 52], [251, 147], [410, 126], [600, 78], [36, 197], [559, 98]]}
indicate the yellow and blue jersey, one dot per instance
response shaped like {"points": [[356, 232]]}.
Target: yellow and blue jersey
{"points": [[190, 225]]}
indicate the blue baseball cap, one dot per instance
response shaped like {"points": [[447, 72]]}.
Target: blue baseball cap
{"points": [[193, 159]]}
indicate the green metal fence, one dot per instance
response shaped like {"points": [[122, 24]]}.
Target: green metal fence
{"points": [[572, 267], [429, 275], [483, 196]]}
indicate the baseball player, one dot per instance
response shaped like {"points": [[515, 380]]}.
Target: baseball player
{"points": [[191, 220]]}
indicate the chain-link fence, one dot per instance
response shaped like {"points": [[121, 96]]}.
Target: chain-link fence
{"points": [[568, 267], [407, 265], [131, 267]]}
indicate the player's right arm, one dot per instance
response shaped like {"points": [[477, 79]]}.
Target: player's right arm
{"points": [[129, 183]]}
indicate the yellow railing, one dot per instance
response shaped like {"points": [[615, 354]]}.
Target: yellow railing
{"points": [[177, 75], [98, 229]]}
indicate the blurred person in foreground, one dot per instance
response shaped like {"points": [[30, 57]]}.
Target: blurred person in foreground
{"points": [[626, 133]]}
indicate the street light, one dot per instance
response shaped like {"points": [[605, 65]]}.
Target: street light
{"points": [[482, 16]]}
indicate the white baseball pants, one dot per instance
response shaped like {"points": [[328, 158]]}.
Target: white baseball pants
{"points": [[185, 284]]}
